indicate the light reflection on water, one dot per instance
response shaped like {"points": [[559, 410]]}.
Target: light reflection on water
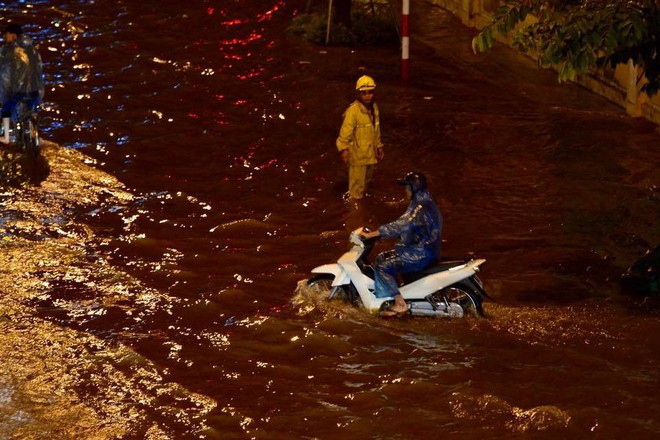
{"points": [[49, 272]]}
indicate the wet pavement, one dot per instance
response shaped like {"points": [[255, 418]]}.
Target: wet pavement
{"points": [[149, 282]]}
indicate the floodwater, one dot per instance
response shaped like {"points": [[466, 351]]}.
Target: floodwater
{"points": [[149, 283]]}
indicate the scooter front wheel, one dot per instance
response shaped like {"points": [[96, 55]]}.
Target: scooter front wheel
{"points": [[322, 284]]}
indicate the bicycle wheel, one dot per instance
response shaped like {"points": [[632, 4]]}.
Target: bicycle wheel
{"points": [[33, 141], [18, 131]]}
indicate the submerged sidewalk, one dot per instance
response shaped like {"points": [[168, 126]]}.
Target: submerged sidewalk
{"points": [[619, 85]]}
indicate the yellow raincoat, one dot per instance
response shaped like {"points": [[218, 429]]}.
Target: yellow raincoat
{"points": [[360, 134]]}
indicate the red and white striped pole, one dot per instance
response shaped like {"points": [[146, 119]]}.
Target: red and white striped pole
{"points": [[405, 40]]}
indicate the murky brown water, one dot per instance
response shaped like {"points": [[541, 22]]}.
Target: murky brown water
{"points": [[149, 283]]}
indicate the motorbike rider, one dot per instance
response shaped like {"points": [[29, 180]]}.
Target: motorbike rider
{"points": [[419, 230]]}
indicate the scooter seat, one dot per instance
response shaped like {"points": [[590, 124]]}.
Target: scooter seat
{"points": [[435, 268]]}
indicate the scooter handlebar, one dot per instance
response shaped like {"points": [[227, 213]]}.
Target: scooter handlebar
{"points": [[359, 239]]}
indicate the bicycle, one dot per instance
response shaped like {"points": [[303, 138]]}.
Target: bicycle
{"points": [[20, 160]]}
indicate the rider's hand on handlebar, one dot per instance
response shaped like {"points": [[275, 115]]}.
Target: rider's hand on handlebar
{"points": [[369, 234]]}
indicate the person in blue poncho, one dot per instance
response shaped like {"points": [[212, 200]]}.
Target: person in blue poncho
{"points": [[21, 76], [419, 230]]}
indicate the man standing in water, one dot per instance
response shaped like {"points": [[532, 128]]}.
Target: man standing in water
{"points": [[359, 138], [20, 74], [419, 230]]}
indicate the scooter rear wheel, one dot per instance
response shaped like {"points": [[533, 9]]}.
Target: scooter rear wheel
{"points": [[462, 297]]}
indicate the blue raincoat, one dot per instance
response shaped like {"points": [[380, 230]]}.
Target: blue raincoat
{"points": [[21, 74], [419, 230]]}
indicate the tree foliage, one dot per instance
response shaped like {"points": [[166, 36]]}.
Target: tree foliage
{"points": [[372, 23], [576, 37]]}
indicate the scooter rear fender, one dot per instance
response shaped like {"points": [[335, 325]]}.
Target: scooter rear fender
{"points": [[341, 277], [437, 281]]}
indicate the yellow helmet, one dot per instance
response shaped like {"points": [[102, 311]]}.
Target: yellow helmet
{"points": [[365, 83]]}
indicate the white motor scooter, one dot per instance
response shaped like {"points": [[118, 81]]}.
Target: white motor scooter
{"points": [[448, 289]]}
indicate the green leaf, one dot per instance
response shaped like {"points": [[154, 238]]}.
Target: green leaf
{"points": [[576, 37], [475, 45]]}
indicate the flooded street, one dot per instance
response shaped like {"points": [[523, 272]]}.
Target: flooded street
{"points": [[149, 285]]}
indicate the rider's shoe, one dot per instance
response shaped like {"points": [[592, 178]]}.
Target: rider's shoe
{"points": [[391, 312]]}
